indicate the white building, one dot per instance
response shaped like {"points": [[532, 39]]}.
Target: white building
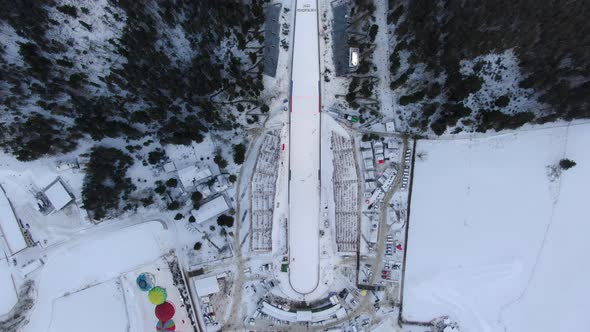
{"points": [[390, 127], [379, 158], [206, 286], [378, 147], [221, 184], [210, 209], [353, 57], [370, 186], [370, 175], [369, 164], [392, 143], [204, 190], [66, 165], [333, 312], [193, 175], [303, 315], [169, 167], [390, 154], [365, 145], [367, 154], [57, 195]]}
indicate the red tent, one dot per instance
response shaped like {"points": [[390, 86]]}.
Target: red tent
{"points": [[164, 311]]}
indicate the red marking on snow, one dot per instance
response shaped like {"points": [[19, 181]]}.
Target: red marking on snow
{"points": [[283, 147], [398, 247], [367, 201], [381, 161]]}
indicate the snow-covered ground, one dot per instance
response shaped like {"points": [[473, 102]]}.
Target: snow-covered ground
{"points": [[92, 260], [12, 236], [493, 243], [103, 309], [7, 289], [304, 187]]}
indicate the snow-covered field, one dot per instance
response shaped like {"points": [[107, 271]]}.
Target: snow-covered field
{"points": [[495, 244], [103, 310]]}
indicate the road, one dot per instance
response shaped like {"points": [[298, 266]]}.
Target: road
{"points": [[242, 185], [383, 227]]}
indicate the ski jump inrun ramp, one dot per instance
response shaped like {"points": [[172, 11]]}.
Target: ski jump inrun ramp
{"points": [[304, 157]]}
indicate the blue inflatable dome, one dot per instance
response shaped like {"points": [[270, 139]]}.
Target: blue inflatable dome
{"points": [[145, 281]]}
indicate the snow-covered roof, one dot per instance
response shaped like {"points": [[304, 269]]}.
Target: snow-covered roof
{"points": [[65, 165], [367, 154], [353, 57], [57, 195], [190, 176], [365, 145], [210, 209], [204, 190], [303, 315], [390, 153], [206, 286], [390, 127], [392, 143], [221, 184], [169, 167], [278, 313], [389, 171], [10, 227]]}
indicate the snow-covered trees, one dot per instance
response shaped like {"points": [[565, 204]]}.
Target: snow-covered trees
{"points": [[239, 153], [123, 68], [105, 182], [567, 163], [436, 36]]}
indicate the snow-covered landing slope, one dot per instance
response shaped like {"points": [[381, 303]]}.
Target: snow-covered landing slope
{"points": [[492, 242], [304, 185]]}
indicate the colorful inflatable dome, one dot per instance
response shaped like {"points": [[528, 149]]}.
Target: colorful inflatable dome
{"points": [[166, 326], [157, 295], [145, 281], [165, 311]]}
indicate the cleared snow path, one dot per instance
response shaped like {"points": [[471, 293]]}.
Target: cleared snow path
{"points": [[304, 185]]}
